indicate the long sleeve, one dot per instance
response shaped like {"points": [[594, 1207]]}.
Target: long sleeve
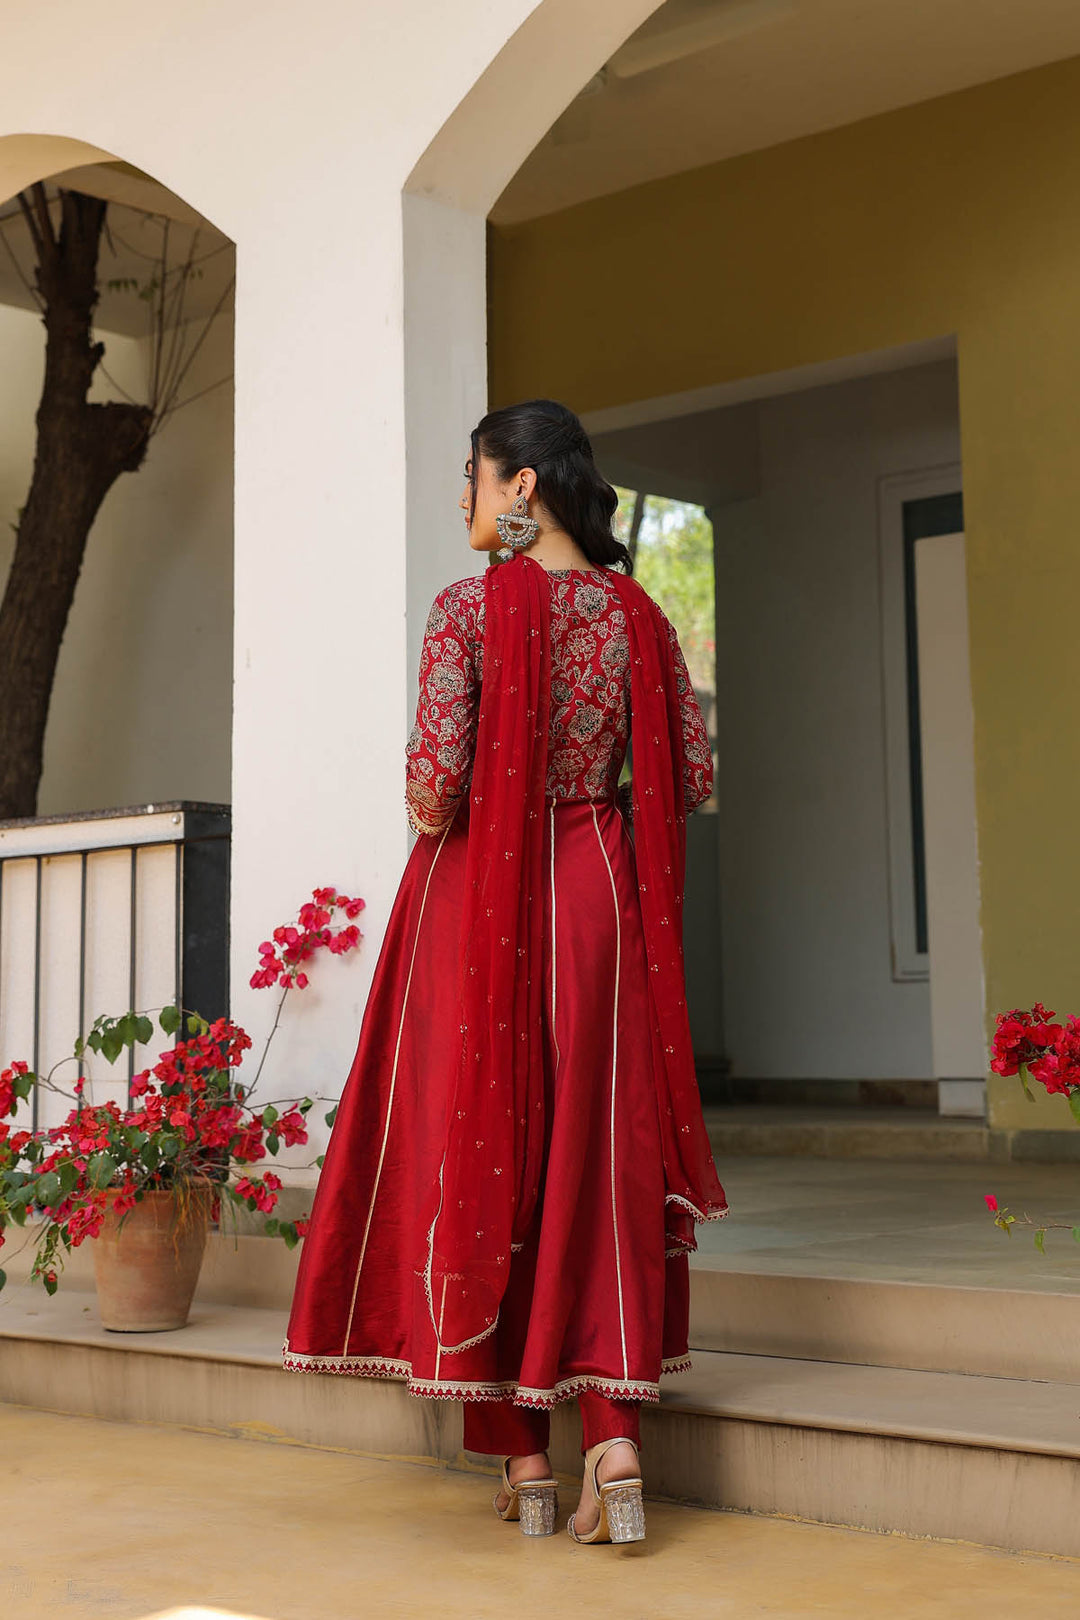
{"points": [[697, 754], [698, 760], [439, 752]]}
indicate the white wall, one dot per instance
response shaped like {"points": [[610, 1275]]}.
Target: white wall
{"points": [[808, 986], [142, 705], [295, 131]]}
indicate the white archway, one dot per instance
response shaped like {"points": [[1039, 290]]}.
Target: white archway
{"points": [[25, 159], [357, 334], [125, 725]]}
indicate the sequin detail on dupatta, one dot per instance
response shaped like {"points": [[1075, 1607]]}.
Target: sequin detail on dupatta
{"points": [[694, 1192], [488, 1182]]}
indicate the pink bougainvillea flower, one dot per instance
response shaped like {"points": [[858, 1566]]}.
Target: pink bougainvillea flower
{"points": [[281, 955]]}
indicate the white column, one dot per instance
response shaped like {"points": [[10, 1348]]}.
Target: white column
{"points": [[320, 669], [952, 862], [445, 395]]}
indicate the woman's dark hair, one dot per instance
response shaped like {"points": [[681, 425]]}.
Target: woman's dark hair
{"points": [[543, 434]]}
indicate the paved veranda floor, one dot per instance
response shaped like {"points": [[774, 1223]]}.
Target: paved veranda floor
{"points": [[895, 1220], [137, 1522]]}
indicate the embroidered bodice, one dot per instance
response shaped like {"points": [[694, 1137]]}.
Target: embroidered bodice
{"points": [[590, 699]]}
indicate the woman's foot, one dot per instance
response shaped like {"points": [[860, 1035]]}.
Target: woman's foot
{"points": [[520, 1469], [618, 1462]]}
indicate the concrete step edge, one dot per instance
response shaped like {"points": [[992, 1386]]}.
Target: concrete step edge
{"points": [[994, 1413], [1000, 1414]]}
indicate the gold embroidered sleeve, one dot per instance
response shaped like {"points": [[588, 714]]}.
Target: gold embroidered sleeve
{"points": [[697, 752], [439, 752]]}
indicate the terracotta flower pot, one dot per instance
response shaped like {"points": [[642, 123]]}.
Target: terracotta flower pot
{"points": [[147, 1261]]}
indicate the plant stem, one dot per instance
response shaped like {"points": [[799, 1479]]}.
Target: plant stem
{"points": [[269, 1038]]}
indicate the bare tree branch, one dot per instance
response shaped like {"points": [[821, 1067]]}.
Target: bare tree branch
{"points": [[31, 225], [159, 325], [214, 313], [155, 258], [40, 201], [105, 372], [209, 389], [177, 333]]}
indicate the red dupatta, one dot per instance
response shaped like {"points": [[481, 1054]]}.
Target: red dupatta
{"points": [[486, 1193], [693, 1191]]}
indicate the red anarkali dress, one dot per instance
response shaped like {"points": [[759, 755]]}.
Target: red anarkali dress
{"points": [[596, 1299]]}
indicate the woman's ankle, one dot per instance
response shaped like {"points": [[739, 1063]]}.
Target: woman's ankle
{"points": [[534, 1466]]}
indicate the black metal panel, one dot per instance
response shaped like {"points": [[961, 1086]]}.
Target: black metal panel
{"points": [[932, 515], [204, 974]]}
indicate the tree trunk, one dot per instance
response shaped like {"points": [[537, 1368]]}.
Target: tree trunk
{"points": [[81, 450]]}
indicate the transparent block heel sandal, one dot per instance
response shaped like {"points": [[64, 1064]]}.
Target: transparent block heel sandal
{"points": [[533, 1502], [622, 1510]]}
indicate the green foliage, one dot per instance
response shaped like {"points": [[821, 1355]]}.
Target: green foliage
{"points": [[47, 1191], [674, 562], [109, 1036], [100, 1169], [22, 1084], [124, 1149]]}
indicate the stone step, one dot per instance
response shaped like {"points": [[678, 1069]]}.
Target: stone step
{"points": [[941, 1328], [863, 1320], [985, 1459], [845, 1133]]}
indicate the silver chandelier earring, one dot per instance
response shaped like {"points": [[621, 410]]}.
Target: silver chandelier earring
{"points": [[516, 528]]}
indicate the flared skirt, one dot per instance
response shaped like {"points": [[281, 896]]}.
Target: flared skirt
{"points": [[593, 1299]]}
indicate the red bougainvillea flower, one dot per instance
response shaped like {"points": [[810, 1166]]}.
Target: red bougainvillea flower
{"points": [[1021, 1037], [8, 1100], [186, 1117], [1058, 1069], [281, 956], [991, 1202], [261, 1194]]}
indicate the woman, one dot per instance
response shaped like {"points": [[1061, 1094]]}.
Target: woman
{"points": [[508, 1197]]}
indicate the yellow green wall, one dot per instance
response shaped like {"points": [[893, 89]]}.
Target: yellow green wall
{"points": [[961, 215]]}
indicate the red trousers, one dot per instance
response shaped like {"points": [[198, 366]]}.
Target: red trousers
{"points": [[499, 1428]]}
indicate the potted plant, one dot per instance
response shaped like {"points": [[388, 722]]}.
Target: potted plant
{"points": [[1032, 1045], [146, 1180]]}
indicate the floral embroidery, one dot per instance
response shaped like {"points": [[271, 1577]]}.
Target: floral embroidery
{"points": [[590, 700]]}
